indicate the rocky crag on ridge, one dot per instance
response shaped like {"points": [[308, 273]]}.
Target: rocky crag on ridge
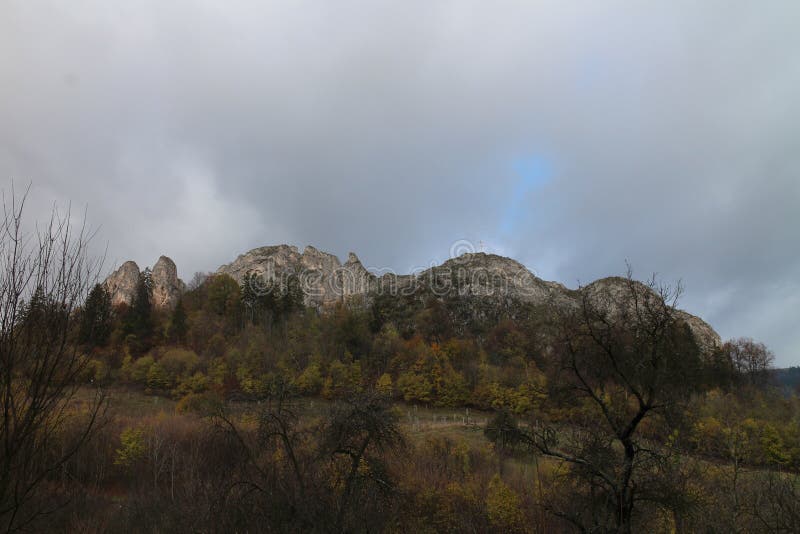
{"points": [[479, 280], [166, 286]]}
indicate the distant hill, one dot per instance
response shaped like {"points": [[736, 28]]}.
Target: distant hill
{"points": [[787, 378]]}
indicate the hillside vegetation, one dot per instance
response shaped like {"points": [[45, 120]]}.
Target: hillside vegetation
{"points": [[416, 411], [241, 409]]}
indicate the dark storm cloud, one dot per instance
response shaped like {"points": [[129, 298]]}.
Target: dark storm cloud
{"points": [[669, 135]]}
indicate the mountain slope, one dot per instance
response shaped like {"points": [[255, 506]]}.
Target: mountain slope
{"points": [[480, 281]]}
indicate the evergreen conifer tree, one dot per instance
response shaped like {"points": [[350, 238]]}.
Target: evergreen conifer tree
{"points": [[177, 323], [96, 318], [138, 321]]}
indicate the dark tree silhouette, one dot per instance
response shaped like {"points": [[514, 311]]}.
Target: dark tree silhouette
{"points": [[627, 353], [39, 365], [361, 430], [751, 360], [96, 318], [138, 322], [177, 323]]}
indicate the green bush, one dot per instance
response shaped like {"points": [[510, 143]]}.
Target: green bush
{"points": [[179, 362], [158, 378], [199, 403], [132, 447], [310, 380], [197, 383], [140, 368]]}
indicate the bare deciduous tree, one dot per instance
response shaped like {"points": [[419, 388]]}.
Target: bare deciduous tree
{"points": [[361, 430], [327, 475], [750, 359], [44, 276], [626, 353]]}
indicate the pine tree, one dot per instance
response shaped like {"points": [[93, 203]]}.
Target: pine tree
{"points": [[268, 302], [250, 300], [138, 321], [147, 278], [35, 311], [259, 299], [225, 298], [157, 377], [291, 299], [177, 323], [41, 315], [96, 319]]}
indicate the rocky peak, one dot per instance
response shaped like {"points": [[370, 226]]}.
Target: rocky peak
{"points": [[490, 275], [482, 259], [270, 262], [493, 279], [323, 277], [167, 287], [355, 278], [121, 284], [317, 260], [325, 280], [616, 289]]}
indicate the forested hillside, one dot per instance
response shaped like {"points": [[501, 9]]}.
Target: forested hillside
{"points": [[608, 415], [233, 406]]}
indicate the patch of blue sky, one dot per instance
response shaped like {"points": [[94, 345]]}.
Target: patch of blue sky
{"points": [[532, 173]]}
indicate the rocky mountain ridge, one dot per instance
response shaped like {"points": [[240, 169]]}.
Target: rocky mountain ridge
{"points": [[325, 280]]}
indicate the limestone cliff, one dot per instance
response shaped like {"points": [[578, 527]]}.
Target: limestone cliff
{"points": [[497, 277], [480, 280], [121, 284], [615, 289], [323, 279], [166, 286]]}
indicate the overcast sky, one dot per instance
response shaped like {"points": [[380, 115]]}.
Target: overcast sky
{"points": [[569, 135]]}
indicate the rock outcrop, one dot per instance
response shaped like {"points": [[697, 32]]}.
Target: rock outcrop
{"points": [[705, 336], [354, 278], [614, 289], [483, 282], [121, 284], [486, 280], [166, 286], [480, 281], [323, 279], [269, 262], [490, 276]]}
